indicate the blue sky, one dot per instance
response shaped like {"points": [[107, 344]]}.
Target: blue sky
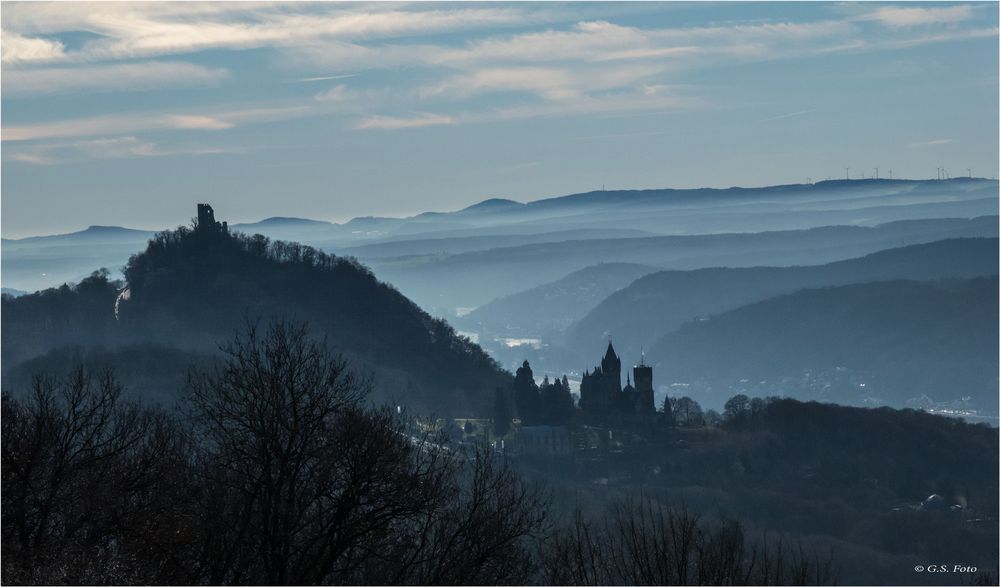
{"points": [[129, 113]]}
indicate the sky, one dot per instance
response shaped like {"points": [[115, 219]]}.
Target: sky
{"points": [[130, 113]]}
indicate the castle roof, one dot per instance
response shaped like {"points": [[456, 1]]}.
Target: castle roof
{"points": [[610, 353]]}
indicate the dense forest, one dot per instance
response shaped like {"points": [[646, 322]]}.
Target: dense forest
{"points": [[852, 484], [191, 288]]}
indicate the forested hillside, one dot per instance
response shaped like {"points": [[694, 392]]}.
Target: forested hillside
{"points": [[874, 343], [658, 303], [553, 306], [191, 288]]}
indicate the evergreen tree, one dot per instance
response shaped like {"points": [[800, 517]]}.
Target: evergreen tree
{"points": [[557, 403], [667, 413], [526, 397]]}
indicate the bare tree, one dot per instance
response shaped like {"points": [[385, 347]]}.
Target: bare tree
{"points": [[305, 485], [86, 483], [280, 474], [481, 535], [642, 542]]}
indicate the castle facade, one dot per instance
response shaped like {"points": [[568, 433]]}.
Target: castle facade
{"points": [[602, 394]]}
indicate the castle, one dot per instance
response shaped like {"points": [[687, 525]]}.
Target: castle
{"points": [[207, 222], [601, 392]]}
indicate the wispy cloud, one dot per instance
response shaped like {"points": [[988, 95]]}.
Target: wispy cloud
{"points": [[194, 122], [322, 78], [116, 148], [395, 122], [788, 115], [128, 31], [634, 100], [593, 66], [16, 48], [551, 83], [124, 147], [107, 78], [338, 93], [931, 143], [31, 158], [910, 16], [128, 124]]}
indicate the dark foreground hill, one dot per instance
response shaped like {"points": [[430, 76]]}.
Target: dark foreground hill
{"points": [[191, 289], [894, 342], [658, 303], [847, 482]]}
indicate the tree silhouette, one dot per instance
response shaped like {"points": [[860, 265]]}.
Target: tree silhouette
{"points": [[556, 403], [526, 396], [686, 412], [642, 542], [304, 485]]}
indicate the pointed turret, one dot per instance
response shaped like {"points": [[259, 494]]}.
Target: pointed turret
{"points": [[610, 353], [611, 364]]}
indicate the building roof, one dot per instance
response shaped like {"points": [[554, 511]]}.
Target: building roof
{"points": [[610, 354]]}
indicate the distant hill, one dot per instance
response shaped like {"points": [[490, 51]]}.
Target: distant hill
{"points": [[593, 215], [553, 306], [192, 289], [491, 205], [412, 247], [477, 277], [660, 302], [90, 236], [281, 221], [889, 342], [7, 291], [38, 262]]}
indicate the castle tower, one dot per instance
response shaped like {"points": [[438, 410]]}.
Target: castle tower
{"points": [[601, 389], [611, 367], [206, 217], [643, 376], [207, 222]]}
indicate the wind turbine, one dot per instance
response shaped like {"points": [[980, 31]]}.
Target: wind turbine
{"points": [[848, 171]]}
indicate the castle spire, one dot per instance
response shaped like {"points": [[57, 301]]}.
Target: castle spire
{"points": [[610, 353]]}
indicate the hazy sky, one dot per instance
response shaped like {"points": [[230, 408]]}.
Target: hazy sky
{"points": [[128, 114]]}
